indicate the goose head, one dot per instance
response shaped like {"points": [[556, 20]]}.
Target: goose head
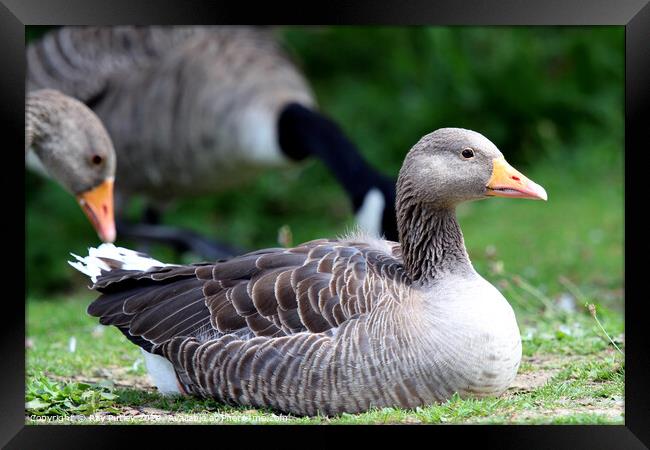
{"points": [[73, 147], [454, 165], [445, 168]]}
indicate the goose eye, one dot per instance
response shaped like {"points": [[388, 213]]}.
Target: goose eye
{"points": [[97, 159], [468, 153]]}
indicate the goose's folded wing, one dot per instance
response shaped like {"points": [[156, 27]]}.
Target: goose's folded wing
{"points": [[274, 292], [152, 306]]}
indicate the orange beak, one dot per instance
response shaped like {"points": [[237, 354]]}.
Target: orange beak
{"points": [[97, 203], [508, 182]]}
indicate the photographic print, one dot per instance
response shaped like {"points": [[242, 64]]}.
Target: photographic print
{"points": [[408, 215], [366, 193]]}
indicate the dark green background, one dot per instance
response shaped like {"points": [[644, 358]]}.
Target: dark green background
{"points": [[549, 97]]}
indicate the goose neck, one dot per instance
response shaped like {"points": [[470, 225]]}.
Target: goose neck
{"points": [[432, 241]]}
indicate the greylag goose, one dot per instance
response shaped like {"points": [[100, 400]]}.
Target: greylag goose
{"points": [[194, 110], [333, 325], [65, 140]]}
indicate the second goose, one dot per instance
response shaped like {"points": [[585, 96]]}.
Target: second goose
{"points": [[194, 110]]}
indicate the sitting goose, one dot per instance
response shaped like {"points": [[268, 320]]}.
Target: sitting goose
{"points": [[334, 325], [195, 110], [65, 140]]}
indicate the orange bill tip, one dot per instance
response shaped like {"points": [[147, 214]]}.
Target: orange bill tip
{"points": [[506, 181], [97, 203]]}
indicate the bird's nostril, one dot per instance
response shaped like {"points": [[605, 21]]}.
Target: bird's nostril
{"points": [[515, 178], [105, 209]]}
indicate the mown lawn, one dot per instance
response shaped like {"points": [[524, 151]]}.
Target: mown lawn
{"points": [[81, 372], [549, 259]]}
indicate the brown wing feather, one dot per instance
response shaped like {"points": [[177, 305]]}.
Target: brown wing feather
{"points": [[314, 287], [155, 305]]}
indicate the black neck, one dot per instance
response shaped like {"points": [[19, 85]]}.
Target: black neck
{"points": [[304, 132]]}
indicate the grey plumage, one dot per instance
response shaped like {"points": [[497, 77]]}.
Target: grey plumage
{"points": [[338, 325], [65, 135], [196, 110], [191, 110], [65, 140]]}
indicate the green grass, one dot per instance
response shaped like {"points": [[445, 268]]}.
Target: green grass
{"points": [[577, 234], [578, 378], [45, 397]]}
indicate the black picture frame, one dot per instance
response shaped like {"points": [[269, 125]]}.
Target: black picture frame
{"points": [[634, 15]]}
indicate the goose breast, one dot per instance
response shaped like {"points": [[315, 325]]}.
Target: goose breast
{"points": [[472, 319]]}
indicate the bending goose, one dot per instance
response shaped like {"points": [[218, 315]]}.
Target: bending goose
{"points": [[194, 110], [65, 140], [334, 325]]}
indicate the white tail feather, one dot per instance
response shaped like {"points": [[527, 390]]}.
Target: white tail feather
{"points": [[92, 265]]}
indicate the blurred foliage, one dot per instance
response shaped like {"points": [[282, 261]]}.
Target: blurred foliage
{"points": [[530, 90], [33, 32], [546, 96]]}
